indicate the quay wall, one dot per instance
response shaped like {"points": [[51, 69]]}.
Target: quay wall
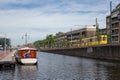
{"points": [[107, 52]]}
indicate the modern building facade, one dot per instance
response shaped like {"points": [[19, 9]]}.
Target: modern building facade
{"points": [[60, 39], [5, 42], [113, 25], [74, 36], [103, 31]]}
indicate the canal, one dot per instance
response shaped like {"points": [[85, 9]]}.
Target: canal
{"points": [[61, 67]]}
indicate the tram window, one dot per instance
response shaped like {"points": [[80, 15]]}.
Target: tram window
{"points": [[101, 38], [90, 40], [104, 38], [83, 41], [94, 39]]}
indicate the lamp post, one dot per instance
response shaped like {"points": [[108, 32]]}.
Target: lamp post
{"points": [[25, 36], [110, 21], [5, 45], [71, 37]]}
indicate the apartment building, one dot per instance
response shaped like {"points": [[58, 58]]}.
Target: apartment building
{"points": [[74, 35], [113, 25], [87, 31]]}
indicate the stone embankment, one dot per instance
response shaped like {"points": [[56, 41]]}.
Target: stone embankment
{"points": [[107, 52]]}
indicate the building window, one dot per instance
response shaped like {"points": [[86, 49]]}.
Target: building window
{"points": [[114, 38], [116, 31]]}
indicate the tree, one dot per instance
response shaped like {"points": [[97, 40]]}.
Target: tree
{"points": [[64, 42], [108, 38], [80, 39], [50, 40], [37, 44], [97, 32], [59, 33]]}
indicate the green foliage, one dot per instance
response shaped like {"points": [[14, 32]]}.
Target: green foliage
{"points": [[64, 43], [59, 33], [37, 43], [80, 38], [48, 42], [108, 38], [97, 32]]}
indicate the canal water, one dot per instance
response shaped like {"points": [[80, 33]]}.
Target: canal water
{"points": [[61, 67]]}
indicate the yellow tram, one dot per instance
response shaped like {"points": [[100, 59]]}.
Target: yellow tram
{"points": [[90, 41]]}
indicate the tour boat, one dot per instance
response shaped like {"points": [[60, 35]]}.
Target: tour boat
{"points": [[26, 55]]}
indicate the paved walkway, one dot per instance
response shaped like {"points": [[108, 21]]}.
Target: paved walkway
{"points": [[1, 54], [8, 57], [4, 53]]}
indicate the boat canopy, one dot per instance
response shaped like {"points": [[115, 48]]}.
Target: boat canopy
{"points": [[27, 48]]}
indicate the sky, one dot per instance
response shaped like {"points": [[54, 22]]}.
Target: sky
{"points": [[42, 17]]}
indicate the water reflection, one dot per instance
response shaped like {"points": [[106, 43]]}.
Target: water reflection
{"points": [[7, 74], [108, 71], [26, 72], [60, 67], [73, 68]]}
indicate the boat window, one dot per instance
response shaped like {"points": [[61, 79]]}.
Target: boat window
{"points": [[33, 54]]}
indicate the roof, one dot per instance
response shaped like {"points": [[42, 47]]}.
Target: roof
{"points": [[118, 6], [27, 48]]}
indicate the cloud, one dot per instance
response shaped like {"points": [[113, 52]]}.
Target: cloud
{"points": [[42, 17]]}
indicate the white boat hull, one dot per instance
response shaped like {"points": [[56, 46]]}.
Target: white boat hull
{"points": [[26, 55], [27, 60]]}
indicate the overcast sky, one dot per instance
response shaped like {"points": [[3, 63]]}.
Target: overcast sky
{"points": [[41, 17]]}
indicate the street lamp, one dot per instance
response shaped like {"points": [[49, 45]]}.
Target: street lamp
{"points": [[5, 44], [71, 37], [110, 21]]}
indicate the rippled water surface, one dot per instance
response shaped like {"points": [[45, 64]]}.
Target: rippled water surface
{"points": [[61, 67]]}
